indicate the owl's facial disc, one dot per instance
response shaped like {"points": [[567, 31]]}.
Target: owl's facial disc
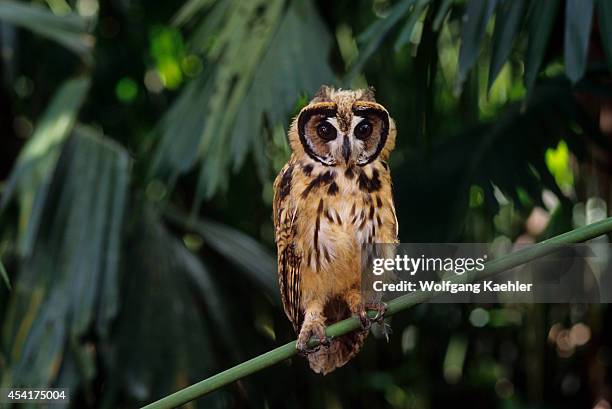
{"points": [[369, 128], [317, 131], [355, 136]]}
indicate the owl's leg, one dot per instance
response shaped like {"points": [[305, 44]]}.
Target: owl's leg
{"points": [[313, 326], [355, 303]]}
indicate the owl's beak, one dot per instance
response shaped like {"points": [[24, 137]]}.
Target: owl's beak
{"points": [[346, 149]]}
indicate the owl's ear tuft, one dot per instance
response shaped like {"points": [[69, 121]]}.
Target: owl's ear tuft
{"points": [[323, 94], [368, 94]]}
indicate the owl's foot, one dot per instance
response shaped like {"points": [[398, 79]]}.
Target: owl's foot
{"points": [[380, 308], [364, 319], [379, 318], [309, 330], [385, 329]]}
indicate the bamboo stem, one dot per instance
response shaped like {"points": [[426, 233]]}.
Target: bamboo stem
{"points": [[350, 324]]}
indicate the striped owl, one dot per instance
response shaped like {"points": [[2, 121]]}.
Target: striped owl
{"points": [[331, 198]]}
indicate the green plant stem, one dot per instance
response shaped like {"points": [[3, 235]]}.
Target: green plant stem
{"points": [[350, 324]]}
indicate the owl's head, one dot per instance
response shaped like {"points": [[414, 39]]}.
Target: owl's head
{"points": [[343, 128]]}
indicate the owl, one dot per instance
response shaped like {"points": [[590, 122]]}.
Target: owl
{"points": [[331, 198]]}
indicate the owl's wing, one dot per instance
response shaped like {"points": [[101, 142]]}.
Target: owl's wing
{"points": [[396, 224], [288, 258]]}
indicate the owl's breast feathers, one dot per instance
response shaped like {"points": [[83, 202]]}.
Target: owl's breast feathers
{"points": [[322, 216]]}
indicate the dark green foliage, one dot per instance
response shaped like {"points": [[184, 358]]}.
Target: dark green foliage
{"points": [[542, 17], [260, 67], [71, 30], [508, 21], [579, 14], [475, 21], [604, 14], [56, 303]]}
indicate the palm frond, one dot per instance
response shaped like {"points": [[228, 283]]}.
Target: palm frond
{"points": [[237, 247], [189, 10], [201, 278], [508, 21], [604, 14], [578, 19], [541, 20], [54, 304], [535, 19], [5, 276], [30, 177], [255, 81], [159, 305], [375, 34], [70, 30], [408, 29], [477, 15]]}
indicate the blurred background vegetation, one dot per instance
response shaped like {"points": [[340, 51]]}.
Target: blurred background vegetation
{"points": [[140, 142]]}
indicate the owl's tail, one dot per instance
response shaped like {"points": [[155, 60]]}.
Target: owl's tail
{"points": [[341, 349]]}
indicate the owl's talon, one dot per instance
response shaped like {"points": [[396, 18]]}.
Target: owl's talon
{"points": [[379, 318], [304, 350], [311, 330], [381, 309], [326, 341], [366, 323], [386, 330]]}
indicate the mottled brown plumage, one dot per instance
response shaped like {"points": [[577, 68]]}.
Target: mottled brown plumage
{"points": [[333, 196]]}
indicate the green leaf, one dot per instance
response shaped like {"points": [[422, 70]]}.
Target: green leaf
{"points": [[375, 34], [253, 80], [158, 304], [242, 250], [441, 14], [276, 86], [507, 24], [70, 30], [73, 265], [5, 276], [578, 19], [543, 14], [32, 172], [477, 15], [516, 141], [181, 129], [199, 275], [604, 15], [232, 80], [206, 33], [408, 28], [189, 10]]}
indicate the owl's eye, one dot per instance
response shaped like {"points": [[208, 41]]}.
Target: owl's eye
{"points": [[326, 131], [363, 130]]}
